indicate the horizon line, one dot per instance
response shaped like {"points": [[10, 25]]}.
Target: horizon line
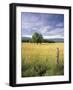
{"points": [[45, 37]]}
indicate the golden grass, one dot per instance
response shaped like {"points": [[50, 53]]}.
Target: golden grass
{"points": [[40, 59], [31, 51]]}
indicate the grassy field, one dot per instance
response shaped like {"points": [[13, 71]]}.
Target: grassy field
{"points": [[40, 59]]}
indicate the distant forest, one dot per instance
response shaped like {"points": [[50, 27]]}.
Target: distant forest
{"points": [[44, 41]]}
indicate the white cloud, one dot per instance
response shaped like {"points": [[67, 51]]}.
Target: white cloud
{"points": [[54, 36], [45, 29], [60, 24], [56, 31]]}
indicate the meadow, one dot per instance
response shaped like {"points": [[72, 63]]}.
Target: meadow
{"points": [[40, 59]]}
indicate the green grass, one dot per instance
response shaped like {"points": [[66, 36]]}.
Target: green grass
{"points": [[40, 59]]}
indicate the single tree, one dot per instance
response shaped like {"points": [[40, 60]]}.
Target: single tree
{"points": [[37, 38]]}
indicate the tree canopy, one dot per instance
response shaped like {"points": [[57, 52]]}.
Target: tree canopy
{"points": [[37, 38]]}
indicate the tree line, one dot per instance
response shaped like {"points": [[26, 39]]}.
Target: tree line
{"points": [[37, 38]]}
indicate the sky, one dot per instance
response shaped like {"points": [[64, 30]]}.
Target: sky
{"points": [[47, 24]]}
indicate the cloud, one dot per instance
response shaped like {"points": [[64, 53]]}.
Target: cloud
{"points": [[49, 25], [60, 24], [45, 29]]}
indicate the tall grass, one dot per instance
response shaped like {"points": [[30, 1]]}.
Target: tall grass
{"points": [[40, 60]]}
